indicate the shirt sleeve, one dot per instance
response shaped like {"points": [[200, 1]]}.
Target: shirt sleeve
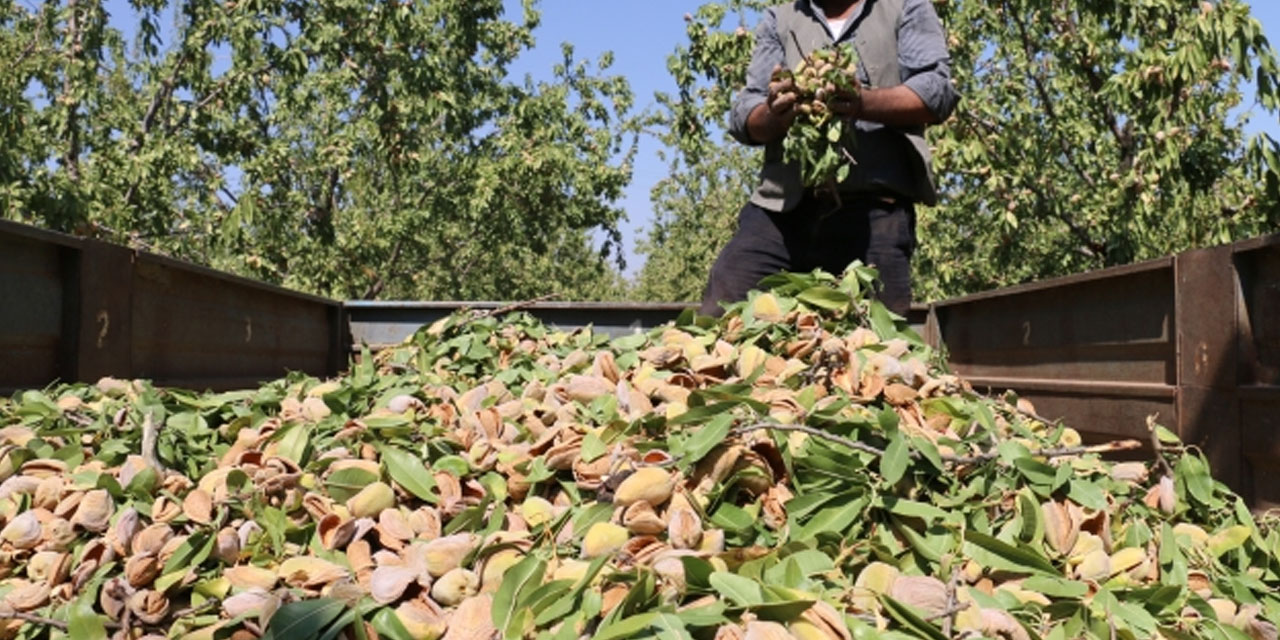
{"points": [[767, 54], [923, 58]]}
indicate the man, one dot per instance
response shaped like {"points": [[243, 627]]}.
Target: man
{"points": [[905, 73]]}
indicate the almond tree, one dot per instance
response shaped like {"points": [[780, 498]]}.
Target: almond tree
{"points": [[355, 148], [1091, 134]]}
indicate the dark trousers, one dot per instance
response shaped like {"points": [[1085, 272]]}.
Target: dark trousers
{"points": [[818, 234]]}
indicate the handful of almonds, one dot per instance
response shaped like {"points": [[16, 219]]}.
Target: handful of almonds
{"points": [[825, 88], [801, 468]]}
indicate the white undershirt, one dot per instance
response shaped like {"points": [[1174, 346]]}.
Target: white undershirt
{"points": [[836, 26]]}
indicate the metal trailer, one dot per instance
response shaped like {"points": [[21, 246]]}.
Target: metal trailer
{"points": [[1193, 338], [77, 309]]}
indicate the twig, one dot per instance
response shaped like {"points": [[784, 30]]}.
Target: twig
{"points": [[1030, 414], [1059, 452], [1155, 444], [945, 616], [949, 620], [211, 603], [29, 617], [150, 438], [815, 432], [515, 306], [800, 49]]}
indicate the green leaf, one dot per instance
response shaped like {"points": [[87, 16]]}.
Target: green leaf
{"points": [[1193, 472], [347, 482], [912, 621], [521, 579], [670, 625], [825, 298], [143, 484], [1056, 587], [881, 322], [993, 553], [187, 553], [743, 591], [1228, 539], [709, 615], [592, 447], [896, 459], [409, 472], [731, 518], [626, 627], [833, 519], [388, 625], [913, 509], [1087, 494], [597, 512], [455, 465], [707, 437], [84, 624], [1166, 436], [304, 618]]}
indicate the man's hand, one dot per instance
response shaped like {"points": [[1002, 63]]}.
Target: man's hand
{"points": [[769, 122], [846, 103], [782, 96]]}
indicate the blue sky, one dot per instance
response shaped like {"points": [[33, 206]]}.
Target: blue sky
{"points": [[642, 34]]}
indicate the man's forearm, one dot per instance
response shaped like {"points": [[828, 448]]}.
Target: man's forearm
{"points": [[896, 106], [764, 127]]}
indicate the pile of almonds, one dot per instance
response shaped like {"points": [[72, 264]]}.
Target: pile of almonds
{"points": [[803, 467]]}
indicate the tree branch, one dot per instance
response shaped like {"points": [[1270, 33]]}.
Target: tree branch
{"points": [[376, 286], [1043, 92], [74, 38], [1058, 452], [163, 94], [1104, 110]]}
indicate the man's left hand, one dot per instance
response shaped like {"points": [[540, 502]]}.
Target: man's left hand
{"points": [[846, 103]]}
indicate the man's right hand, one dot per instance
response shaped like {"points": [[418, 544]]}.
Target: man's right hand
{"points": [[769, 122], [782, 96]]}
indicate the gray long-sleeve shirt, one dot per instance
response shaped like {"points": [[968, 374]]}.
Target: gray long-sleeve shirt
{"points": [[922, 56]]}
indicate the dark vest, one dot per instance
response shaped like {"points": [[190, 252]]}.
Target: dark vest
{"points": [[889, 159]]}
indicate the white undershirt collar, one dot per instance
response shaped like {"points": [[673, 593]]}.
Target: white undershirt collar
{"points": [[836, 27]]}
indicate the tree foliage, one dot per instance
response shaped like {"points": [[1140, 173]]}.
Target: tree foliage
{"points": [[355, 148], [1091, 134]]}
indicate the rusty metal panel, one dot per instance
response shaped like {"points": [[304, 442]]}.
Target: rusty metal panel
{"points": [[1111, 325], [103, 307], [32, 304], [1207, 310], [1098, 410], [1258, 265], [200, 328], [1259, 413]]}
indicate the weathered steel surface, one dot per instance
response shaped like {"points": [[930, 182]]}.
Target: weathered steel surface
{"points": [[32, 306], [1257, 265], [74, 309], [1207, 367], [1084, 327], [1193, 339]]}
